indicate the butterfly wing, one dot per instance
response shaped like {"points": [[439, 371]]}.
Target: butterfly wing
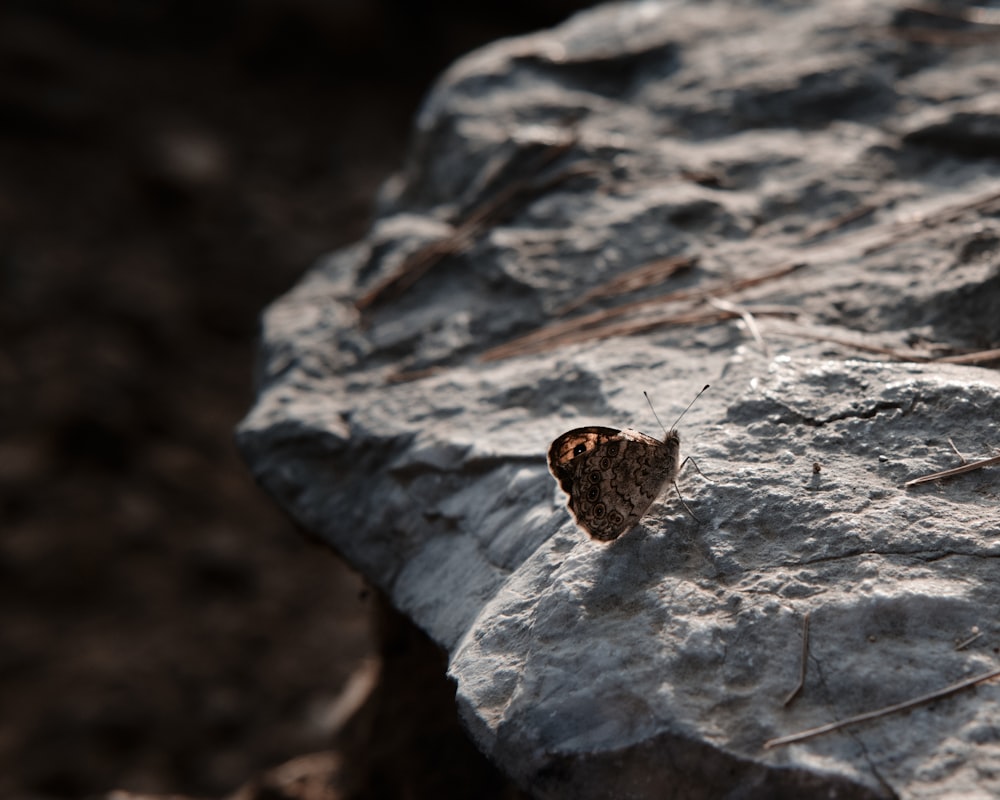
{"points": [[612, 477], [569, 447]]}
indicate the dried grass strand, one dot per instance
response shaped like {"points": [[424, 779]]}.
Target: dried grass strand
{"points": [[479, 218], [881, 712], [648, 274], [947, 473], [595, 325], [748, 320], [803, 665]]}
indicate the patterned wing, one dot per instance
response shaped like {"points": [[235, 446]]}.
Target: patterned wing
{"points": [[565, 450], [612, 477]]}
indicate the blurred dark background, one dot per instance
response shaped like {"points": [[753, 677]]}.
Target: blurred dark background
{"points": [[166, 169]]}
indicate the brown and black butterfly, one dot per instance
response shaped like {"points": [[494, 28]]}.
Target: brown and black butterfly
{"points": [[613, 476]]}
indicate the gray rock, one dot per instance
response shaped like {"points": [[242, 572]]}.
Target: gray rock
{"points": [[403, 419]]}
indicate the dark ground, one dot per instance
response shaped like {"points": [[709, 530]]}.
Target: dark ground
{"points": [[166, 169]]}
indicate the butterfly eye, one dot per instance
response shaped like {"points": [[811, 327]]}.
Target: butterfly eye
{"points": [[580, 449]]}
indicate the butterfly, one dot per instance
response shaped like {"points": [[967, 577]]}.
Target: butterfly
{"points": [[613, 476]]}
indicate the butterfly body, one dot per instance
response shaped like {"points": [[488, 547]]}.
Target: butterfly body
{"points": [[612, 476]]}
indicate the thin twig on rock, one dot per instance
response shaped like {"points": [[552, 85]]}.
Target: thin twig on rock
{"points": [[966, 642], [805, 658], [530, 345], [648, 274], [958, 453], [905, 229], [829, 226], [596, 324], [748, 320], [947, 473], [804, 333], [977, 357], [504, 203], [882, 712]]}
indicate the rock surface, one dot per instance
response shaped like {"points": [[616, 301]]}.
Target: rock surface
{"points": [[796, 204]]}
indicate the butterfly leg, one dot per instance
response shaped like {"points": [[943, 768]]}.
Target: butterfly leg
{"points": [[681, 498], [695, 465]]}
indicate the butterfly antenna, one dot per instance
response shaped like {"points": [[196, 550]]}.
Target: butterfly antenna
{"points": [[685, 411], [653, 410]]}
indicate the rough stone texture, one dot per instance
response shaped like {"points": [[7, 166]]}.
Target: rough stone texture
{"points": [[858, 140]]}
